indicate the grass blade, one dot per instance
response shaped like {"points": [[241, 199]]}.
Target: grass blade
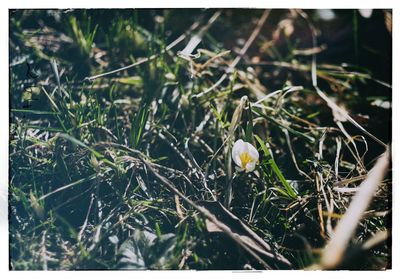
{"points": [[288, 189]]}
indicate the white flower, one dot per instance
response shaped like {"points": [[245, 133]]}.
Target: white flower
{"points": [[326, 14], [245, 156], [366, 13]]}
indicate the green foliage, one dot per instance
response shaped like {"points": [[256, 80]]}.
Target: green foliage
{"points": [[145, 250], [138, 126], [81, 194], [289, 191], [84, 37]]}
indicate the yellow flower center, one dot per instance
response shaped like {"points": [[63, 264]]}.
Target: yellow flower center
{"points": [[245, 158]]}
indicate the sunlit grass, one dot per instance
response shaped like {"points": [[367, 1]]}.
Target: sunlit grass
{"points": [[126, 169]]}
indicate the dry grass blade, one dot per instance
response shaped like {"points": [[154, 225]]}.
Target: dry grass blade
{"points": [[237, 115], [335, 249], [204, 212], [244, 49], [379, 237], [79, 181], [196, 39], [144, 60], [57, 75], [211, 217], [240, 229], [337, 111], [132, 166]]}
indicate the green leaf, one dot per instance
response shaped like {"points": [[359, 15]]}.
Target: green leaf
{"points": [[94, 152], [138, 125], [144, 250], [135, 81], [288, 188], [249, 126]]}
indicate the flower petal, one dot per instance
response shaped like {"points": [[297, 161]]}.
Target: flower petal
{"points": [[250, 166], [253, 152], [237, 160], [238, 148], [238, 169]]}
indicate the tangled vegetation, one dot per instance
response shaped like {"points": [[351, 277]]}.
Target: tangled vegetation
{"points": [[122, 124]]}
